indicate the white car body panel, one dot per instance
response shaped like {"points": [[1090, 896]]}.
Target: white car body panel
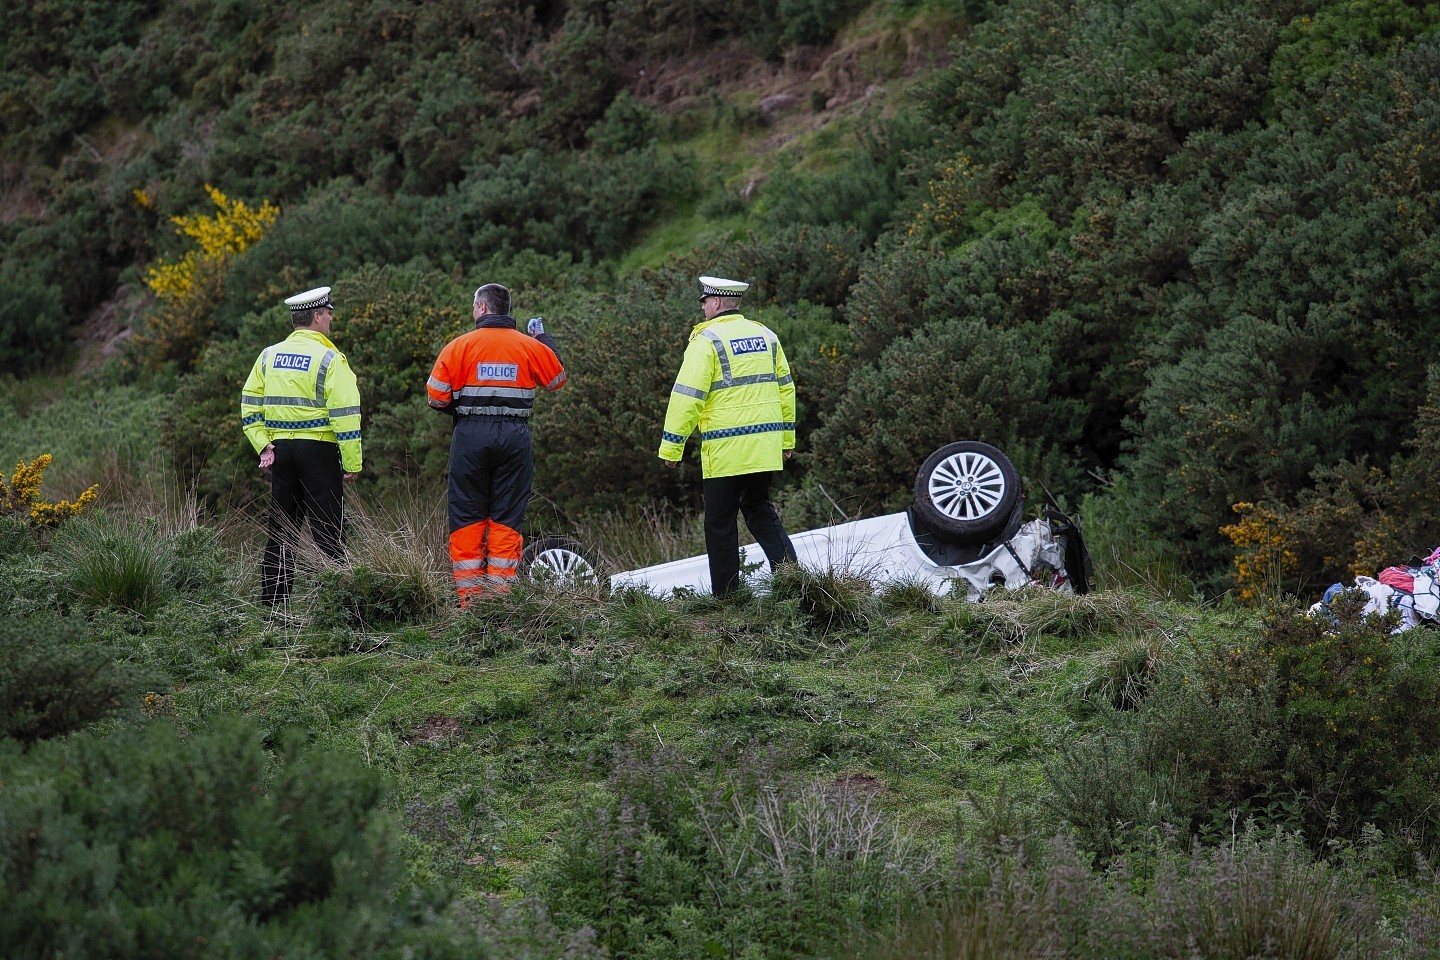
{"points": [[882, 550]]}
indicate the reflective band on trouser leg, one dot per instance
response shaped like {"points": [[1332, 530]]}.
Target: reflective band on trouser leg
{"points": [[505, 547], [467, 560]]}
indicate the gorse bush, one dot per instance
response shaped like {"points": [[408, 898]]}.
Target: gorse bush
{"points": [[32, 324], [54, 680], [1312, 724], [20, 496], [145, 842], [189, 288]]}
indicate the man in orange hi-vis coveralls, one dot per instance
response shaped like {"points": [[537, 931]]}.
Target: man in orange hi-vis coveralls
{"points": [[487, 379]]}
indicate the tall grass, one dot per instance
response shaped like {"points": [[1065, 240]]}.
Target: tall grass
{"points": [[118, 563], [1263, 896], [96, 433], [1125, 557]]}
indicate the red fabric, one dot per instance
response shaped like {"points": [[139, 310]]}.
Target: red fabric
{"points": [[1398, 578]]}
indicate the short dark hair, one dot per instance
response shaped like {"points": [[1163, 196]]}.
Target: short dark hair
{"points": [[495, 297], [303, 318]]}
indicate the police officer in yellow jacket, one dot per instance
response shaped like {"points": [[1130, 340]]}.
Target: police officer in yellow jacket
{"points": [[735, 386], [300, 409]]}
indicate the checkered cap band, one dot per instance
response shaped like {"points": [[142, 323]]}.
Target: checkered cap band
{"points": [[309, 300], [720, 287]]}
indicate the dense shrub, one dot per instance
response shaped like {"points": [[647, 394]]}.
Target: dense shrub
{"points": [[145, 842], [53, 681], [1311, 724], [363, 598], [32, 324]]}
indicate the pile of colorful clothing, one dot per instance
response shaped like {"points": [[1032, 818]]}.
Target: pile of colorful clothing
{"points": [[1412, 589]]}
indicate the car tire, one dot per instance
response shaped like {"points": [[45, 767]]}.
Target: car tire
{"points": [[562, 562], [967, 492]]}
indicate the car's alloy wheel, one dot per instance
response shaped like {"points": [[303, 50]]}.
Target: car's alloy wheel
{"points": [[560, 561], [967, 492]]}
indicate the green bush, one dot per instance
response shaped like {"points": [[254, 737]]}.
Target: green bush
{"points": [[364, 598], [149, 843], [32, 324], [54, 682], [862, 190], [1311, 723]]}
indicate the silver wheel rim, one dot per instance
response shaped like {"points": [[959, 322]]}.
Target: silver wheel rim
{"points": [[967, 486], [561, 565]]}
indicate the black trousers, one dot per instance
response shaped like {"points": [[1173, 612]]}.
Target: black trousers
{"points": [[306, 482], [748, 493], [491, 469]]}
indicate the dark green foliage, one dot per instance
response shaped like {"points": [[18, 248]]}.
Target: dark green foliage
{"points": [[813, 21], [1313, 47], [146, 843], [32, 324], [601, 432], [364, 598], [53, 681], [1311, 724], [862, 191]]}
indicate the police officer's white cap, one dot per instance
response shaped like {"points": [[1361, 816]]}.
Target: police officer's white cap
{"points": [[720, 287], [309, 300]]}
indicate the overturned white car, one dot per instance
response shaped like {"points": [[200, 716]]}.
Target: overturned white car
{"points": [[964, 532]]}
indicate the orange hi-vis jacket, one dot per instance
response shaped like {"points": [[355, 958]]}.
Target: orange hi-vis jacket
{"points": [[488, 379], [493, 371]]}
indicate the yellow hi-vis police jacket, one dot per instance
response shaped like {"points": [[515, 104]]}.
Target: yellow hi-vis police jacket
{"points": [[303, 389], [735, 386]]}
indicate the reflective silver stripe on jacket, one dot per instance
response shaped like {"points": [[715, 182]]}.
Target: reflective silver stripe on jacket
{"points": [[439, 385], [685, 391], [325, 362], [292, 402], [743, 381], [559, 379], [517, 412], [344, 411], [719, 345], [517, 393]]}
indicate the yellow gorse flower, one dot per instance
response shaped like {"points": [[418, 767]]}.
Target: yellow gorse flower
{"points": [[229, 231], [1264, 552], [20, 496]]}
